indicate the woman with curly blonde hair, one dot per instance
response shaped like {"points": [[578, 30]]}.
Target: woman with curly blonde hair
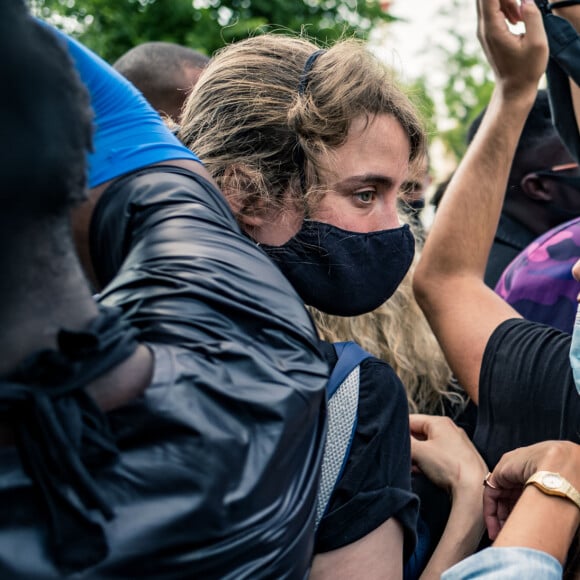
{"points": [[398, 333], [311, 148]]}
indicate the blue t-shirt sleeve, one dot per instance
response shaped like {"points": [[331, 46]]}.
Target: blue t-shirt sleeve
{"points": [[129, 133]]}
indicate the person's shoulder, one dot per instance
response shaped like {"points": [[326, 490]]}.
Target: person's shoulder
{"points": [[161, 188], [381, 372], [164, 177], [525, 350], [522, 333], [381, 390]]}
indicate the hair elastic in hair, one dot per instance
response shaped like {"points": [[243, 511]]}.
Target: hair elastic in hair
{"points": [[303, 83]]}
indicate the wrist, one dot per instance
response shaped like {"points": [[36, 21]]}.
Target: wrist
{"points": [[468, 493], [562, 457], [519, 98], [554, 484]]}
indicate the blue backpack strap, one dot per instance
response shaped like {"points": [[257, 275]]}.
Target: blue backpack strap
{"points": [[342, 411], [350, 355]]}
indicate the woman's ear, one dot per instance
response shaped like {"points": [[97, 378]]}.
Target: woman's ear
{"points": [[263, 219], [244, 192], [535, 188]]}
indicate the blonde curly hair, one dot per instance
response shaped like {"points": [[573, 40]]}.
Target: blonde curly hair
{"points": [[398, 333]]}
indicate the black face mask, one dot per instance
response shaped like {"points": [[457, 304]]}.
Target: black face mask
{"points": [[341, 272]]}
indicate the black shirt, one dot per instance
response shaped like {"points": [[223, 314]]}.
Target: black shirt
{"points": [[376, 482], [510, 239], [527, 392]]}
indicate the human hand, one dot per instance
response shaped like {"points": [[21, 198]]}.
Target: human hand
{"points": [[507, 480], [444, 453], [518, 61]]}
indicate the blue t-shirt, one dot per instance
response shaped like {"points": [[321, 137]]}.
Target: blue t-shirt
{"points": [[129, 134]]}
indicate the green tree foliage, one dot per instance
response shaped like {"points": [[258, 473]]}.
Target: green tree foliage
{"points": [[466, 93], [111, 27], [419, 95], [467, 88]]}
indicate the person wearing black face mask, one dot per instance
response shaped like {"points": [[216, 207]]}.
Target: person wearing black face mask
{"points": [[341, 272], [536, 200], [312, 159]]}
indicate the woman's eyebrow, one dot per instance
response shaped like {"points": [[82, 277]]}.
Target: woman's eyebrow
{"points": [[366, 178]]}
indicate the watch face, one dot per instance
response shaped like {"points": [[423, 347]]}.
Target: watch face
{"points": [[552, 481]]}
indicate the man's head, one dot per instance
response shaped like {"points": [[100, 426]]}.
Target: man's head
{"points": [[164, 72], [45, 119], [46, 132], [535, 197]]}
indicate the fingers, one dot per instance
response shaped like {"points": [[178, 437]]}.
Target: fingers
{"points": [[427, 424], [518, 61], [419, 424], [497, 506], [490, 513], [512, 469], [511, 9], [416, 450], [532, 18]]}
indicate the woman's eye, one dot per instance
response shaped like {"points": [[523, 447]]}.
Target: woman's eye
{"points": [[365, 196]]}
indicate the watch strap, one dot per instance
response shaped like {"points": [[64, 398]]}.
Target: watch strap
{"points": [[565, 489]]}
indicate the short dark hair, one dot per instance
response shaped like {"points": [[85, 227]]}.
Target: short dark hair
{"points": [[155, 67], [537, 127], [45, 117]]}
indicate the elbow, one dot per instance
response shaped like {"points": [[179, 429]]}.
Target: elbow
{"points": [[424, 285]]}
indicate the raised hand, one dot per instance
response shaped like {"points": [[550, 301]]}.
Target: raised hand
{"points": [[518, 60]]}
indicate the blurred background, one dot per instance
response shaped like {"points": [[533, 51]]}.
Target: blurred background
{"points": [[430, 44]]}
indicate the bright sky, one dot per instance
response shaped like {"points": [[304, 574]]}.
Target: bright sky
{"points": [[410, 46]]}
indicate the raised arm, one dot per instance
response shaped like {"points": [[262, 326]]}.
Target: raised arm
{"points": [[448, 281]]}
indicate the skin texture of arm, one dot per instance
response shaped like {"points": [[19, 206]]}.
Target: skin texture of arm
{"points": [[444, 453], [448, 282], [378, 555], [539, 521]]}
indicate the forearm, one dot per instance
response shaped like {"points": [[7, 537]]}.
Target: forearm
{"points": [[546, 522], [466, 221], [448, 281], [461, 536], [541, 522]]}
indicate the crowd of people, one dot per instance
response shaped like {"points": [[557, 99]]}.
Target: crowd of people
{"points": [[231, 348]]}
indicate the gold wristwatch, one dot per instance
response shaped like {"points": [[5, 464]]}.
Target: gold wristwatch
{"points": [[552, 483]]}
